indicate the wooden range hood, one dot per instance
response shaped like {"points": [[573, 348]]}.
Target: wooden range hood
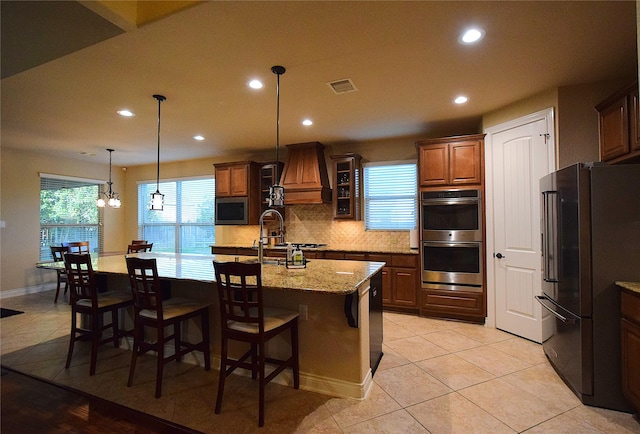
{"points": [[304, 177]]}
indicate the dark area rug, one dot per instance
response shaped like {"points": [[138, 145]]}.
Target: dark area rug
{"points": [[8, 312]]}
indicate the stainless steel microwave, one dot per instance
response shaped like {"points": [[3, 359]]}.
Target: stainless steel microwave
{"points": [[232, 211]]}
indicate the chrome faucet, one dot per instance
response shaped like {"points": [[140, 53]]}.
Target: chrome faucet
{"points": [[265, 238]]}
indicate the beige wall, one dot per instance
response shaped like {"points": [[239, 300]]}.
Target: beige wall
{"points": [[20, 204]]}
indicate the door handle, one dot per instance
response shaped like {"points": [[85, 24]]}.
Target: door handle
{"points": [[556, 314], [499, 255]]}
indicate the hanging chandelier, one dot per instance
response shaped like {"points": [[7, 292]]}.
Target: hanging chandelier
{"points": [[157, 198], [276, 191], [109, 198]]}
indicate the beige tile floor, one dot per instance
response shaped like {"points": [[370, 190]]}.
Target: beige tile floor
{"points": [[435, 377]]}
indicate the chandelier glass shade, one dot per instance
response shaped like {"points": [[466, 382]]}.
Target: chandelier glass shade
{"points": [[157, 198], [109, 198], [276, 191]]}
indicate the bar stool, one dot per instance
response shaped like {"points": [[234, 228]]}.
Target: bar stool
{"points": [[152, 311], [86, 300], [139, 247], [77, 246], [245, 319], [58, 252]]}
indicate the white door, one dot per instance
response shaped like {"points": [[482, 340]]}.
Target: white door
{"points": [[521, 152]]}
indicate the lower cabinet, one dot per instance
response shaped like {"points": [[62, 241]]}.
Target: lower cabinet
{"points": [[443, 302], [630, 330], [399, 281], [400, 278]]}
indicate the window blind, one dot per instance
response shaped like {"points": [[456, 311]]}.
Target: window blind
{"points": [[390, 196], [186, 224]]}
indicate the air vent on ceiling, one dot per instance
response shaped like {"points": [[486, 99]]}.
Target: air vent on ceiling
{"points": [[342, 86]]}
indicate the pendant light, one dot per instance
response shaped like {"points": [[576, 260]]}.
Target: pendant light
{"points": [[157, 198], [110, 198], [276, 191]]}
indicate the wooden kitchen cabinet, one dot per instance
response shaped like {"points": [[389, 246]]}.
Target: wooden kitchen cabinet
{"points": [[630, 330], [269, 175], [399, 281], [451, 161], [618, 125], [347, 186], [236, 179]]}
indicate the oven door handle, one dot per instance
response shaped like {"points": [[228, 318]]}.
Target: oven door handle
{"points": [[447, 244], [448, 201], [556, 314]]}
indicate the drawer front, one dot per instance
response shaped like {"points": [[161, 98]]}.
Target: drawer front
{"points": [[410, 261], [355, 256], [379, 257], [333, 255]]}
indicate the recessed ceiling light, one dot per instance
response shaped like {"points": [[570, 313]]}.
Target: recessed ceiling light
{"points": [[307, 122], [471, 36], [255, 84], [126, 113], [198, 137], [461, 99]]}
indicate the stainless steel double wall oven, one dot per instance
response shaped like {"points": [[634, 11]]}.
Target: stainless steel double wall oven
{"points": [[452, 247]]}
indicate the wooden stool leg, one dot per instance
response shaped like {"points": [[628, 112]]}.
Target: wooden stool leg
{"points": [[73, 339], [160, 362], [223, 373], [95, 338], [294, 350], [205, 339], [261, 361], [55, 300], [137, 339]]}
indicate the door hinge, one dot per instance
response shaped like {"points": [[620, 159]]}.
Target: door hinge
{"points": [[546, 136]]}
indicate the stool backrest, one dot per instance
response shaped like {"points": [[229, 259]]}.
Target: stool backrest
{"points": [[81, 277], [137, 248], [77, 246], [145, 284], [240, 293], [139, 242], [58, 252]]}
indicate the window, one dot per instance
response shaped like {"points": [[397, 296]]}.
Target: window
{"points": [[68, 212], [186, 223], [390, 196]]}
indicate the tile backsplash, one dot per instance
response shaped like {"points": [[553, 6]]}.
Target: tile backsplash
{"points": [[315, 224]]}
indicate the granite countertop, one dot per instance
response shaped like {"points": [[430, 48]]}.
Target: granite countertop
{"points": [[631, 286], [323, 276], [405, 250]]}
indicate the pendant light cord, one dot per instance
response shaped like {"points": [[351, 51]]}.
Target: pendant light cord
{"points": [[278, 70], [160, 98]]}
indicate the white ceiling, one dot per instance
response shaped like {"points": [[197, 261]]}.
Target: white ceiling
{"points": [[403, 57]]}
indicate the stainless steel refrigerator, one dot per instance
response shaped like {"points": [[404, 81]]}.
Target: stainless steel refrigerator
{"points": [[590, 239]]}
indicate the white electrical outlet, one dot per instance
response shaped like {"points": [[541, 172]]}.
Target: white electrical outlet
{"points": [[302, 311]]}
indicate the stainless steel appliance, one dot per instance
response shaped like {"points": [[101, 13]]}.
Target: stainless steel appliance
{"points": [[452, 248], [232, 211], [590, 239], [451, 215], [452, 263]]}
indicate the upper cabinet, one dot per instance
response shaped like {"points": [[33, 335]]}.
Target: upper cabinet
{"points": [[236, 179], [451, 161], [269, 175], [346, 186], [618, 122]]}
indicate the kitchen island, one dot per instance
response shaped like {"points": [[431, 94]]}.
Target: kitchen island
{"points": [[334, 344]]}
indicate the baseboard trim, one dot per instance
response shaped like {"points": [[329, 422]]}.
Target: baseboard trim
{"points": [[28, 290]]}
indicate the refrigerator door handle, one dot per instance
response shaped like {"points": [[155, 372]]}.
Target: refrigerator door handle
{"points": [[549, 236], [556, 314]]}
